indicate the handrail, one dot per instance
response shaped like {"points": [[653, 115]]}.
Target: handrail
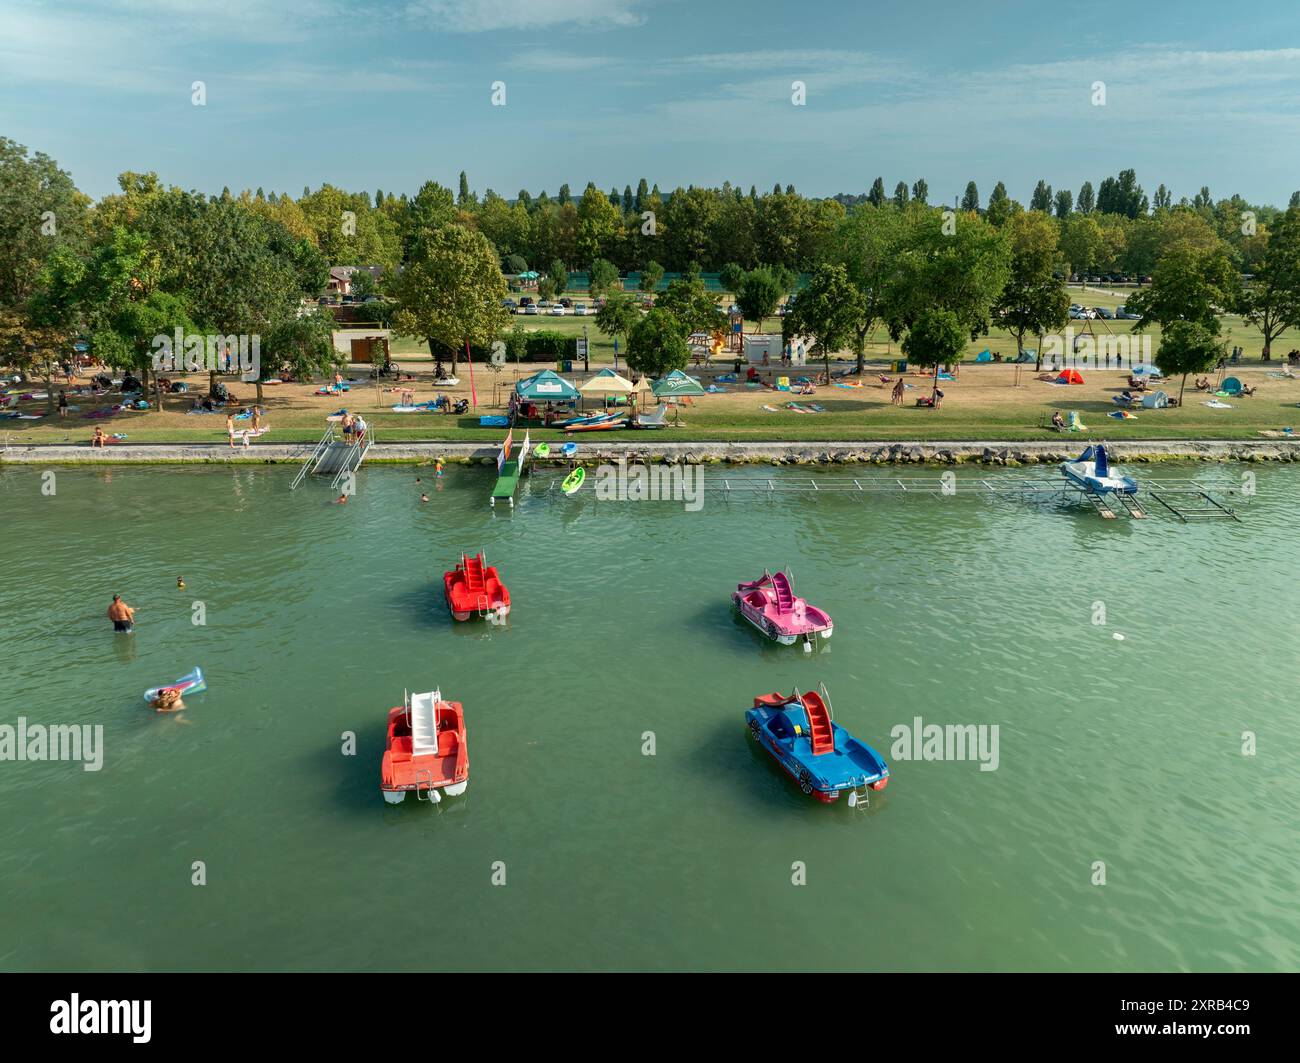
{"points": [[313, 458], [352, 461]]}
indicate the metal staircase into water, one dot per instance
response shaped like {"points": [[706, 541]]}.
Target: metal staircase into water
{"points": [[330, 457]]}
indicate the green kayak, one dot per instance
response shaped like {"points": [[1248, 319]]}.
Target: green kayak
{"points": [[542, 450], [574, 480]]}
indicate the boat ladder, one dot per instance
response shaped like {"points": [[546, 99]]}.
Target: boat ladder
{"points": [[313, 459], [1099, 504], [1131, 506], [425, 776], [353, 459]]}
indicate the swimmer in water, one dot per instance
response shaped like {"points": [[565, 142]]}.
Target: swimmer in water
{"points": [[424, 498], [180, 583], [438, 466], [122, 615], [168, 700], [341, 500]]}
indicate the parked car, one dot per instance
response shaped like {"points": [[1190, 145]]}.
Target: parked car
{"points": [[1121, 312], [579, 309], [1101, 311], [525, 300], [557, 310], [509, 303], [545, 304], [530, 309], [566, 302]]}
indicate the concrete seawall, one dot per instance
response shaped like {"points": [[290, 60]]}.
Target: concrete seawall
{"points": [[596, 451]]}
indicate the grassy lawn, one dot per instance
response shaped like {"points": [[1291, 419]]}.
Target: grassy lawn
{"points": [[986, 402]]}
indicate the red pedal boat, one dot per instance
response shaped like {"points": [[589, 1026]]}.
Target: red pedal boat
{"points": [[472, 587], [425, 750]]}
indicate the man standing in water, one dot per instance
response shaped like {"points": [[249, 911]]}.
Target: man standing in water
{"points": [[122, 615]]}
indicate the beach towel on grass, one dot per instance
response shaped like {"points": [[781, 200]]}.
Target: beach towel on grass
{"points": [[1215, 404]]}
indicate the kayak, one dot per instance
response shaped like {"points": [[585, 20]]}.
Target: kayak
{"points": [[193, 683], [542, 450], [574, 480]]}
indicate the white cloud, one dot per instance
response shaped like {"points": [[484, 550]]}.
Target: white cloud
{"points": [[477, 16]]}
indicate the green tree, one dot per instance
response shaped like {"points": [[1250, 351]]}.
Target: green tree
{"points": [[40, 210], [730, 276], [691, 303], [1000, 206], [1063, 203], [618, 317], [1187, 347], [920, 191], [963, 270], [651, 275], [1034, 300], [758, 295], [868, 242], [516, 264], [827, 311], [1271, 299], [452, 293], [1087, 201], [559, 276], [936, 338], [876, 197], [1042, 198], [1189, 284], [657, 344], [301, 345], [971, 200], [900, 195], [604, 278]]}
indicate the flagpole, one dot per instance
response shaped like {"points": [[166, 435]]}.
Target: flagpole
{"points": [[473, 395]]}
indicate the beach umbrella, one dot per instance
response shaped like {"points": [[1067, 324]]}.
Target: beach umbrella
{"points": [[677, 383], [609, 381]]}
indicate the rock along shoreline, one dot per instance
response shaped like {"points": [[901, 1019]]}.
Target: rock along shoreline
{"points": [[698, 453]]}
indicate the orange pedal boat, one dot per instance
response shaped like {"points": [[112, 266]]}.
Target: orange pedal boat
{"points": [[425, 750], [475, 587]]}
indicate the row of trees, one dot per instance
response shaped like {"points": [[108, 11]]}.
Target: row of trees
{"points": [[143, 263], [149, 259], [1113, 229]]}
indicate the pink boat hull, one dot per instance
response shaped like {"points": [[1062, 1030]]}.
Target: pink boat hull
{"points": [[772, 607]]}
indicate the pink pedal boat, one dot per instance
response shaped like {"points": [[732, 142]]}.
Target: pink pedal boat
{"points": [[770, 604]]}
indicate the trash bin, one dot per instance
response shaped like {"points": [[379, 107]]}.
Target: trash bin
{"points": [[568, 366]]}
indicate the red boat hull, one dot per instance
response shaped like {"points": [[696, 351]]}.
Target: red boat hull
{"points": [[401, 770], [474, 590]]}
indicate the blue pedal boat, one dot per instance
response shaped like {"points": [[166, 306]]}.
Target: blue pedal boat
{"points": [[797, 730], [1091, 471]]}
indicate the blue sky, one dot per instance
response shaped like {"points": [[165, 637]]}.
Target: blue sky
{"points": [[385, 95]]}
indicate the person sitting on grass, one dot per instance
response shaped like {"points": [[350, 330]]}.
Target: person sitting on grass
{"points": [[1058, 422], [97, 440], [1247, 392], [1203, 384]]}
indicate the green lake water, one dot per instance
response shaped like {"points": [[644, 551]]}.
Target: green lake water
{"points": [[957, 610]]}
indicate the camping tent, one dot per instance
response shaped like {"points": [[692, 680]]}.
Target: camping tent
{"points": [[984, 356], [1231, 386], [677, 383], [1157, 400], [546, 386], [1147, 370], [1069, 376]]}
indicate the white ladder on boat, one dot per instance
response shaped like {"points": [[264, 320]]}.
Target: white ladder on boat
{"points": [[424, 723]]}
